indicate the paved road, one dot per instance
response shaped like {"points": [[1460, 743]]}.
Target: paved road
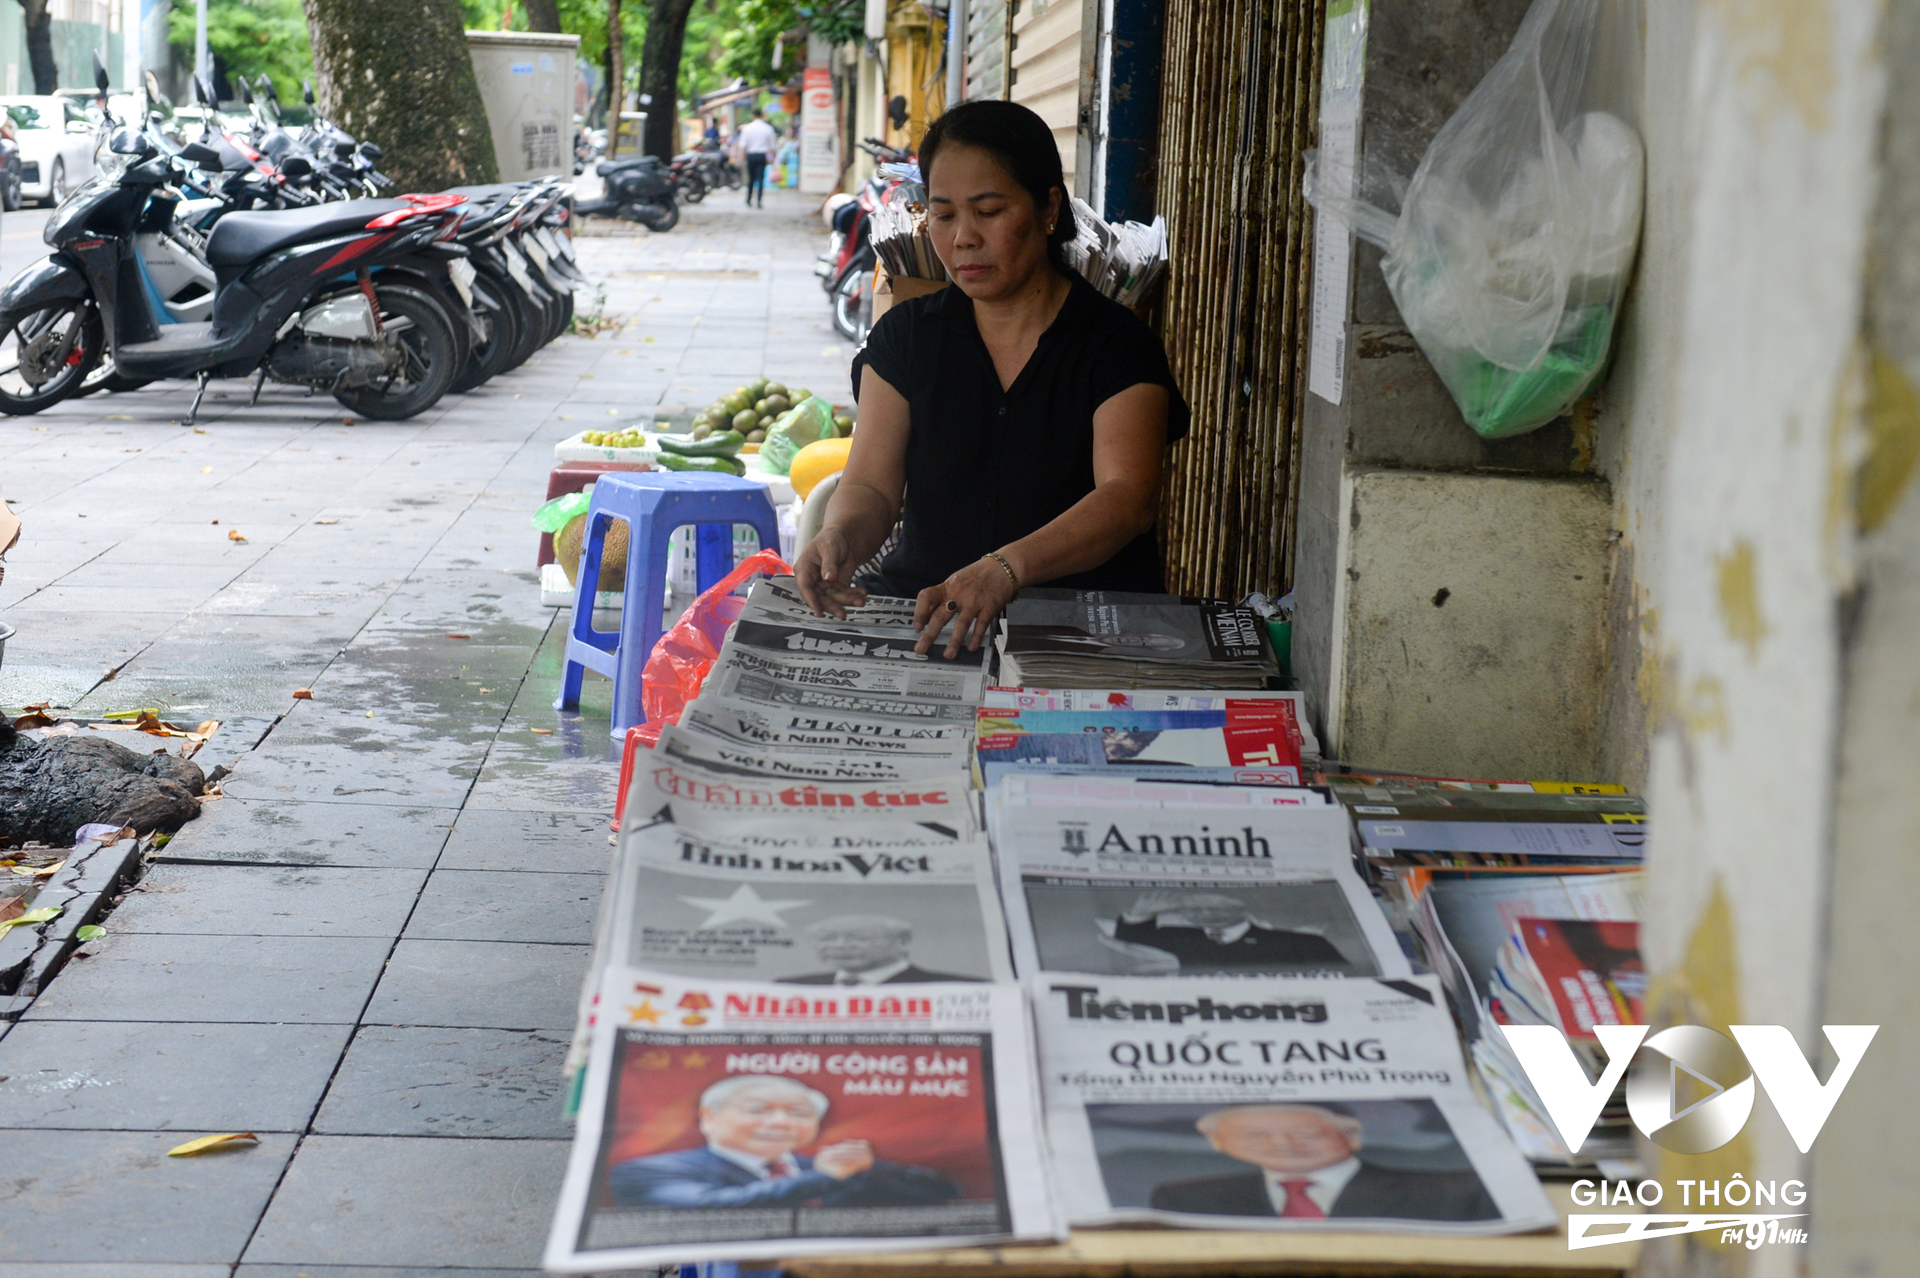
{"points": [[368, 952]]}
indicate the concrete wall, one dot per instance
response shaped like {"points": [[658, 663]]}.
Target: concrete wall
{"points": [[1768, 714]]}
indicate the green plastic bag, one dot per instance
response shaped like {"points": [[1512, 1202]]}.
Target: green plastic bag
{"points": [[561, 511], [806, 422]]}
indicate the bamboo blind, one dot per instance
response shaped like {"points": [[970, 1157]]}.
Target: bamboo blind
{"points": [[1239, 104]]}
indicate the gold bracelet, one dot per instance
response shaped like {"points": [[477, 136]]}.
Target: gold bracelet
{"points": [[1006, 568]]}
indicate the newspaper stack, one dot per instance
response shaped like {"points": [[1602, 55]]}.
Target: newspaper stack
{"points": [[800, 1034], [1124, 260], [1214, 984], [1114, 639], [1432, 821], [1086, 699]]}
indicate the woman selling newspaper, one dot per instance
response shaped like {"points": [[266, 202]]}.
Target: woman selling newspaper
{"points": [[1014, 423]]}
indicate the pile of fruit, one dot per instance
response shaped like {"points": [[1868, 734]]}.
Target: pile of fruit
{"points": [[751, 410], [628, 438]]}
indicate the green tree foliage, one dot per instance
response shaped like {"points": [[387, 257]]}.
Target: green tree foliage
{"points": [[251, 38]]}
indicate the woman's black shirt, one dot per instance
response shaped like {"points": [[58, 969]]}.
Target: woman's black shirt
{"points": [[985, 466]]}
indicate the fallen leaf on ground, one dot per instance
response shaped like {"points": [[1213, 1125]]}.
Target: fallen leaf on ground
{"points": [[234, 534], [89, 932], [34, 719], [369, 714], [206, 470], [112, 674], [119, 716], [454, 636], [541, 732], [326, 521], [45, 914], [225, 1140], [303, 694], [12, 907], [47, 871]]}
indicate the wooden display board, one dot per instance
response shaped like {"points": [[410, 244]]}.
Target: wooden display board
{"points": [[1175, 1253]]}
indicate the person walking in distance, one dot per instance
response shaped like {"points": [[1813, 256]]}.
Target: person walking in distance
{"points": [[758, 142]]}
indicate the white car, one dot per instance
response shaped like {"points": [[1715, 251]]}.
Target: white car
{"points": [[56, 145]]}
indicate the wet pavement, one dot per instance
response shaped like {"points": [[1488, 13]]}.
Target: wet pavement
{"points": [[368, 952]]}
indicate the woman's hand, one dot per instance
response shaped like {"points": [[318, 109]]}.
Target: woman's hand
{"points": [[823, 572], [970, 599]]}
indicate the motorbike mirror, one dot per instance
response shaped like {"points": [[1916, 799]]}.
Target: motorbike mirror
{"points": [[127, 142], [153, 87], [267, 89], [372, 152], [201, 157], [897, 110], [297, 167], [100, 77], [203, 87], [306, 92], [246, 90], [344, 150]]}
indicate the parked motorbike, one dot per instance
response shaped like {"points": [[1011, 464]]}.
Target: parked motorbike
{"points": [[638, 190], [845, 270], [329, 297]]}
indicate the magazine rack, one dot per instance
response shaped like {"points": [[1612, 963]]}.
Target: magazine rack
{"points": [[1175, 1253]]}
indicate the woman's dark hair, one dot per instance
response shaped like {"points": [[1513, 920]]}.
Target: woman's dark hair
{"points": [[1022, 144]]}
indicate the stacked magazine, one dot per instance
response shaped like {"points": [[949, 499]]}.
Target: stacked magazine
{"points": [[1113, 639]]}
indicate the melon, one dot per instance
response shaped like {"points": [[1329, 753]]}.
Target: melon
{"points": [[568, 542], [816, 461]]}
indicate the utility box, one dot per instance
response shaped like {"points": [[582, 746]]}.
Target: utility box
{"points": [[526, 80]]}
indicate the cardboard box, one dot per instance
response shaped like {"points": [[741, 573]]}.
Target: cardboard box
{"points": [[887, 290]]}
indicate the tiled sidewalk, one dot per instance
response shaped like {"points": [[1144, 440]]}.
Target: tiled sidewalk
{"points": [[368, 953]]}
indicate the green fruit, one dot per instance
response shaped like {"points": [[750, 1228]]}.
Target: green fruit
{"points": [[703, 430], [757, 437], [773, 388], [798, 395], [763, 406], [778, 403], [843, 426], [759, 386], [746, 420]]}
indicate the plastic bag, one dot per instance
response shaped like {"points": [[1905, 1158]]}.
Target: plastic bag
{"points": [[678, 664], [806, 422], [561, 511], [1516, 236]]}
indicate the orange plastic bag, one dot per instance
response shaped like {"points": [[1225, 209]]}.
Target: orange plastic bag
{"points": [[678, 664]]}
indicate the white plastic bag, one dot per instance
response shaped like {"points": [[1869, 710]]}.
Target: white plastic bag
{"points": [[1516, 236]]}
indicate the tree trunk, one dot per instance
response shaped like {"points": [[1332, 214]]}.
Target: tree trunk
{"points": [[39, 20], [660, 73], [399, 75], [616, 69], [543, 15]]}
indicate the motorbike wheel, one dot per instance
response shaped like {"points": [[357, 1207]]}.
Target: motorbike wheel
{"points": [[847, 301], [105, 378], [490, 357], [733, 177], [46, 354], [664, 221], [692, 191], [530, 320], [426, 336]]}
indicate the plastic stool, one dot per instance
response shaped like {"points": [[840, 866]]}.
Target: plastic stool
{"points": [[653, 503]]}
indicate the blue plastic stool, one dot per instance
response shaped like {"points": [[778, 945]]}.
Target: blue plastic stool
{"points": [[653, 503]]}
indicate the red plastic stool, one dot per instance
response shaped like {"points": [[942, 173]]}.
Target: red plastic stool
{"points": [[636, 742], [573, 477]]}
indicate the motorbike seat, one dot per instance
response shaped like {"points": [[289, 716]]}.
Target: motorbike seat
{"points": [[637, 162], [239, 238]]}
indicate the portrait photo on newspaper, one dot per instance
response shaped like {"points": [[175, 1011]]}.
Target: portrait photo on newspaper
{"points": [[1154, 927], [791, 1120]]}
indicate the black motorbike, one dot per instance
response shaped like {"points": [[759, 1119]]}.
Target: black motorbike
{"points": [[324, 297], [638, 190]]}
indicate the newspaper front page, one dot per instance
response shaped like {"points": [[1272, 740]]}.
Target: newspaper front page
{"points": [[763, 688], [1282, 1104], [859, 905], [691, 744], [777, 599], [774, 727], [744, 1121], [713, 802], [815, 656], [1184, 891]]}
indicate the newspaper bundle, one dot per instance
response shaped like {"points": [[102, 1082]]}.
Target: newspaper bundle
{"points": [[742, 1121], [1182, 891], [727, 803], [1114, 639], [1282, 1104], [998, 698], [818, 655]]}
